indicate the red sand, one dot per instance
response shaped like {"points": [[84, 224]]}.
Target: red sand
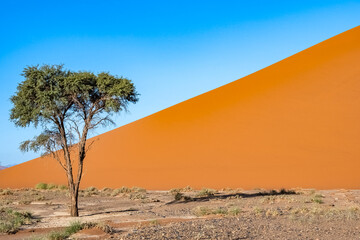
{"points": [[293, 124]]}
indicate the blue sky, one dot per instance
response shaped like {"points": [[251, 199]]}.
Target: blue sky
{"points": [[172, 50]]}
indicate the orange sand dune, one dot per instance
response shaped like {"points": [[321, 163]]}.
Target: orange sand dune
{"points": [[293, 124]]}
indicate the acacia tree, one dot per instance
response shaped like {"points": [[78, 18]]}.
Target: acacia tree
{"points": [[67, 105]]}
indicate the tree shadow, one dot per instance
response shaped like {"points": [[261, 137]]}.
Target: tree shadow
{"points": [[225, 196], [107, 212]]}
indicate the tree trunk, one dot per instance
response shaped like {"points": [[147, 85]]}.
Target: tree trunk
{"points": [[74, 204]]}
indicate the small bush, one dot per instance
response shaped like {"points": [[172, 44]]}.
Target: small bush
{"points": [[76, 227], [91, 189], [11, 220], [51, 186], [135, 196], [258, 211], [203, 211], [42, 186], [73, 228], [285, 192], [205, 192], [67, 232], [187, 189], [317, 200], [117, 191], [280, 192], [138, 189], [178, 196], [102, 226], [175, 190], [220, 211], [62, 187], [57, 236], [235, 211]]}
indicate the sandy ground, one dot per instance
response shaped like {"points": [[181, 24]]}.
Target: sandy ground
{"points": [[228, 214]]}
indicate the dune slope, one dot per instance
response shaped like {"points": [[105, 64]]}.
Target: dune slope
{"points": [[292, 124]]}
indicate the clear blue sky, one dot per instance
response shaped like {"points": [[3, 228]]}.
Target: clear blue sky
{"points": [[172, 50]]}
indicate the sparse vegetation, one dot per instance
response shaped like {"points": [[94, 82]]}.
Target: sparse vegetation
{"points": [[341, 207], [178, 195], [76, 227], [317, 199], [137, 195], [67, 232], [203, 211], [125, 190], [63, 187], [138, 190], [11, 220], [258, 210], [42, 186], [50, 186], [206, 192], [279, 192], [235, 211]]}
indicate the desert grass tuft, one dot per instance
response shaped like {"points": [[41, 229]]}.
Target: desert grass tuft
{"points": [[62, 187], [11, 221], [138, 189], [206, 192], [67, 232], [317, 199], [76, 227], [204, 211], [41, 186]]}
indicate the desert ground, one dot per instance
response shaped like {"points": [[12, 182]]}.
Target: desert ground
{"points": [[135, 213]]}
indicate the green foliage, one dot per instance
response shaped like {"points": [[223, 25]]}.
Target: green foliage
{"points": [[51, 186], [42, 186], [48, 90], [62, 187], [235, 211], [55, 98], [203, 211], [67, 232], [11, 220], [76, 227], [73, 228]]}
